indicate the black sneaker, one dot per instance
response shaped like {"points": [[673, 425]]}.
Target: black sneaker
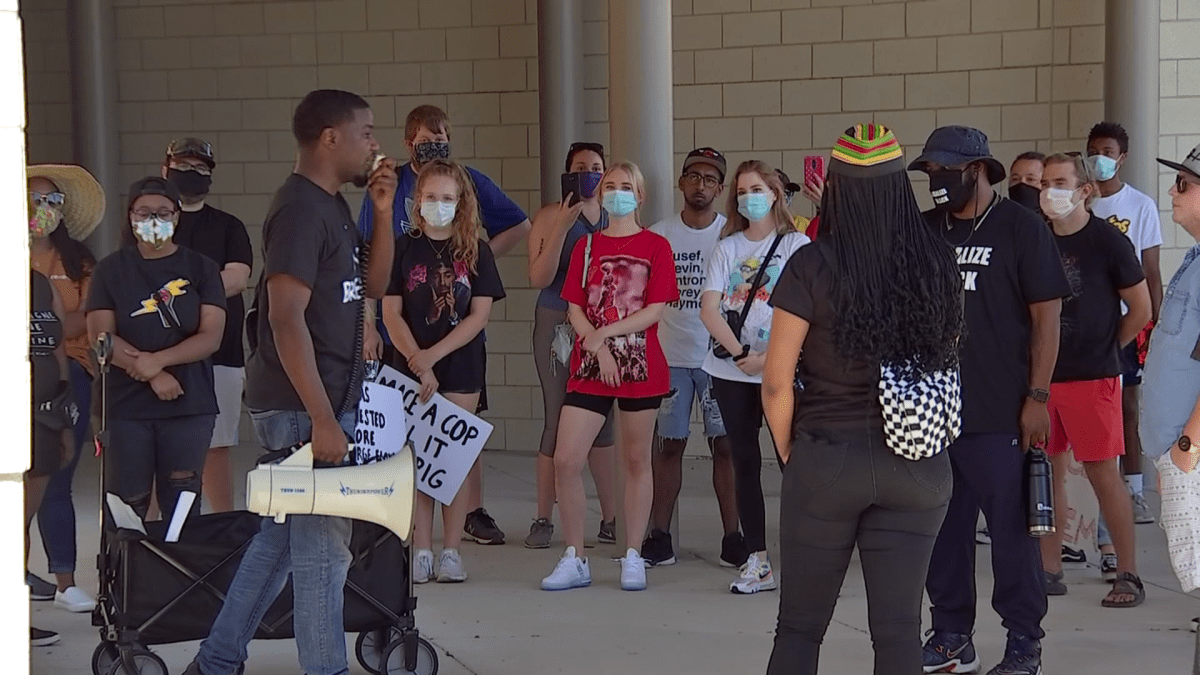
{"points": [[42, 638], [608, 532], [1022, 656], [1054, 583], [657, 549], [949, 653], [1073, 555], [39, 588], [733, 550], [481, 528]]}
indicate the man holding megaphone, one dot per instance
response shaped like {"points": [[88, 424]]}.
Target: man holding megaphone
{"points": [[304, 377]]}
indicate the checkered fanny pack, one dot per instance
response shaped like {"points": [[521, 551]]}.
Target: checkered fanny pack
{"points": [[922, 413]]}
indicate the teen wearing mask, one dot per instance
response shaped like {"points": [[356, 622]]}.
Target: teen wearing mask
{"points": [[1025, 180], [1085, 399], [65, 206], [758, 237], [52, 439], [1136, 216], [693, 234], [618, 284], [427, 137], [1014, 285], [1170, 424], [556, 229], [164, 306], [304, 377], [223, 239], [444, 281], [877, 288]]}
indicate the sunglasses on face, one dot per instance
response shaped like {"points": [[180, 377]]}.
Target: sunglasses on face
{"points": [[54, 199], [1182, 184]]}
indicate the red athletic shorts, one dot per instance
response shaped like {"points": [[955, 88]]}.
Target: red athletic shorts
{"points": [[1086, 416]]}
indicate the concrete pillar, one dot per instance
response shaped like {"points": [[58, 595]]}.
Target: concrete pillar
{"points": [[94, 111], [641, 121], [1131, 67], [640, 104], [14, 342], [560, 87]]}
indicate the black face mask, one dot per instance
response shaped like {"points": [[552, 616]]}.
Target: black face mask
{"points": [[951, 188], [431, 150], [1026, 195], [190, 183]]}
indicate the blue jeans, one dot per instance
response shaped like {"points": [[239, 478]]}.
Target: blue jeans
{"points": [[56, 515], [675, 414], [314, 549]]}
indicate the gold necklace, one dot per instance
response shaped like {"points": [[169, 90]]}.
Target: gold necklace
{"points": [[442, 251]]}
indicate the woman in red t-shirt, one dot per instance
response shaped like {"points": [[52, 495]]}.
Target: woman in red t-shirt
{"points": [[617, 285]]}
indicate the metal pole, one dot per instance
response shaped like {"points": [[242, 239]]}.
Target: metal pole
{"points": [[640, 105], [641, 127], [94, 110], [1131, 67], [560, 87]]}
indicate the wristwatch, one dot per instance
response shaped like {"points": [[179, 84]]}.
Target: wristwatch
{"points": [[1185, 445], [1039, 395]]}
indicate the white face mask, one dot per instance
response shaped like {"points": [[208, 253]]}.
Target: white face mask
{"points": [[438, 214], [1058, 203]]}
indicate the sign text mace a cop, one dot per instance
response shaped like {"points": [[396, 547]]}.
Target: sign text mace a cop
{"points": [[446, 439]]}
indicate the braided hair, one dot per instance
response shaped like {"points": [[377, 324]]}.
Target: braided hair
{"points": [[898, 291]]}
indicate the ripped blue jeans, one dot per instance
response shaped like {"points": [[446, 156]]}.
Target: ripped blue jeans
{"points": [[675, 413]]}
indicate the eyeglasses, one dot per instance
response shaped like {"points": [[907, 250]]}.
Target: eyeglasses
{"points": [[161, 214], [695, 178], [55, 199], [203, 170], [1182, 184]]}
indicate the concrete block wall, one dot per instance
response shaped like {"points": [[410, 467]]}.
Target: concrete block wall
{"points": [[772, 79]]}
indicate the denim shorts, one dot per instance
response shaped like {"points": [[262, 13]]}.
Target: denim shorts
{"points": [[675, 414]]}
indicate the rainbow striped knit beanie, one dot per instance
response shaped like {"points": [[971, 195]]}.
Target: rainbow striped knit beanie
{"points": [[867, 150]]}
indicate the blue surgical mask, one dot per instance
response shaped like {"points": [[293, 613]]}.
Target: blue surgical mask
{"points": [[438, 214], [1103, 166], [619, 203], [754, 205]]}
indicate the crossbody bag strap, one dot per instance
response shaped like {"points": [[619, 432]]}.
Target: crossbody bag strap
{"points": [[757, 283]]}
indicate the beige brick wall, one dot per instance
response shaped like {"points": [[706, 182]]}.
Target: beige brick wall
{"points": [[772, 79]]}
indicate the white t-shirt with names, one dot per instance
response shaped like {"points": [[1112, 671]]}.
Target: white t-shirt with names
{"points": [[735, 262], [682, 335]]}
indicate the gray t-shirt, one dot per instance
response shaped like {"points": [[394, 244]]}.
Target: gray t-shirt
{"points": [[310, 235]]}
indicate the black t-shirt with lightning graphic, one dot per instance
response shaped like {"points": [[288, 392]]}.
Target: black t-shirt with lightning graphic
{"points": [[157, 305]]}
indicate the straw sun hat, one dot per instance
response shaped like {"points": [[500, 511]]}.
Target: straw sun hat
{"points": [[83, 198]]}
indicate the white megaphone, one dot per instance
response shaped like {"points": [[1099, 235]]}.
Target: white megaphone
{"points": [[383, 492]]}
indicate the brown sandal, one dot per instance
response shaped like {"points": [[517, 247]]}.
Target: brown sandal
{"points": [[1126, 584]]}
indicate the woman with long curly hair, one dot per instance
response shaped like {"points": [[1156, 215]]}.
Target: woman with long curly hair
{"points": [[877, 289], [444, 281]]}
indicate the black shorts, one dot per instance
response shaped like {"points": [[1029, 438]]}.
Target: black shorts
{"points": [[1131, 370], [451, 380], [602, 405]]}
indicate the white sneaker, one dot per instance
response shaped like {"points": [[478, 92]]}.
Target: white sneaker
{"points": [[74, 599], [756, 575], [450, 567], [633, 572], [422, 566], [570, 572]]}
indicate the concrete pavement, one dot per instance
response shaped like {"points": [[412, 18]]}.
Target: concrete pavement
{"points": [[499, 623]]}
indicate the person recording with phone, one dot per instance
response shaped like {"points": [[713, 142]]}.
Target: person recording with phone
{"points": [[556, 229]]}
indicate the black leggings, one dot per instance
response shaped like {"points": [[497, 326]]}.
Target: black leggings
{"points": [[741, 409], [841, 489]]}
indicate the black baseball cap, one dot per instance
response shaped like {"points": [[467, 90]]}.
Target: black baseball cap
{"points": [[153, 185], [192, 147], [788, 186], [956, 146], [706, 156]]}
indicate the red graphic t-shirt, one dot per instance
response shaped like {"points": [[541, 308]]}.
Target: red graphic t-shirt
{"points": [[624, 275]]}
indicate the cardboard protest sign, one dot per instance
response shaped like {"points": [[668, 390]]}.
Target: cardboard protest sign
{"points": [[446, 439], [1082, 510], [380, 431]]}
